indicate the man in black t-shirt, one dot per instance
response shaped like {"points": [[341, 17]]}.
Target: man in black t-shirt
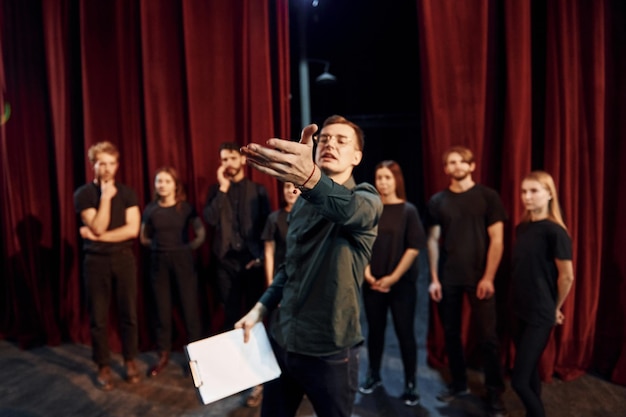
{"points": [[110, 221], [465, 245]]}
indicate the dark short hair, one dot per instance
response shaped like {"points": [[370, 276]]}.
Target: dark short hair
{"points": [[230, 146], [342, 120]]}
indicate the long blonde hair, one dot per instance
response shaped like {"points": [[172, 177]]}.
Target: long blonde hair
{"points": [[554, 209]]}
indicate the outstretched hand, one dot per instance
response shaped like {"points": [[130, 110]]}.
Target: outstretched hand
{"points": [[285, 160]]}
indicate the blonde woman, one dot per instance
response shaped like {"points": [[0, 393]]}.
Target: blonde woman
{"points": [[542, 278]]}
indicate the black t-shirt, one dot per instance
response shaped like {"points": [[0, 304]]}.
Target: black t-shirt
{"points": [[88, 196], [276, 230], [399, 229], [168, 227], [464, 219], [534, 281]]}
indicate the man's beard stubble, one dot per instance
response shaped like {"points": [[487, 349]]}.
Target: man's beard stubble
{"points": [[232, 172], [460, 177]]}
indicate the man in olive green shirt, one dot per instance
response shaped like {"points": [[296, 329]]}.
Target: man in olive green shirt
{"points": [[316, 332]]}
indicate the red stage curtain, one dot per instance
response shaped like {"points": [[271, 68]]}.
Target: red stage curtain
{"points": [[574, 154], [453, 46], [167, 81], [551, 59]]}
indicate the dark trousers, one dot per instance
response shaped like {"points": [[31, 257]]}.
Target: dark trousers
{"points": [[329, 382], [401, 301], [105, 275], [175, 268], [239, 288], [530, 341], [484, 315]]}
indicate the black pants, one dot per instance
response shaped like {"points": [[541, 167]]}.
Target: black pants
{"points": [[105, 275], [329, 382], [401, 301], [239, 288], [175, 268], [530, 341], [484, 313]]}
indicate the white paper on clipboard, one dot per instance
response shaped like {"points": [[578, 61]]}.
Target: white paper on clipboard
{"points": [[223, 365]]}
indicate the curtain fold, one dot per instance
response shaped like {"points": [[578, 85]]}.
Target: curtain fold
{"points": [[610, 341], [30, 251], [517, 143], [575, 98], [62, 104], [453, 45]]}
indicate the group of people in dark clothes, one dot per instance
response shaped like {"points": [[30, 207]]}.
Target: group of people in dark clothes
{"points": [[335, 247]]}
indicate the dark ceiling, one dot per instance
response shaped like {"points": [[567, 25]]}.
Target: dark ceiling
{"points": [[372, 47]]}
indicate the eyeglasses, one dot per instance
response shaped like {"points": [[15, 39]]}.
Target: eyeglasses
{"points": [[324, 139]]}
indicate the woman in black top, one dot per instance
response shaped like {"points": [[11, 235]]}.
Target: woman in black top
{"points": [[165, 227], [274, 237], [542, 277], [390, 279], [274, 233]]}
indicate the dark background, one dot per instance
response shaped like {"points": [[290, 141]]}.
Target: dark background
{"points": [[371, 47]]}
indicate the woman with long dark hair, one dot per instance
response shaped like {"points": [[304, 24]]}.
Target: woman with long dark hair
{"points": [[390, 279], [165, 228]]}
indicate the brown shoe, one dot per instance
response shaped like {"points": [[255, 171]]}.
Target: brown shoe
{"points": [[132, 374], [164, 358], [104, 378]]}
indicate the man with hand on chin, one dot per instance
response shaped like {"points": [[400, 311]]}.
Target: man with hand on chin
{"points": [[110, 216], [315, 331], [236, 208]]}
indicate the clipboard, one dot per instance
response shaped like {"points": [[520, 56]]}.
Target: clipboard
{"points": [[223, 365]]}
